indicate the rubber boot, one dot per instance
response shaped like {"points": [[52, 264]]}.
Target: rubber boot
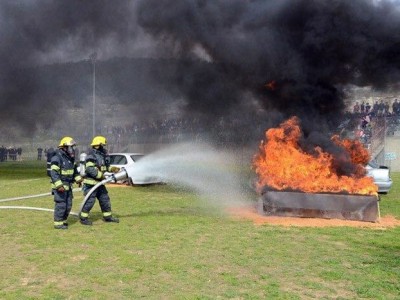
{"points": [[63, 226], [86, 221], [111, 219]]}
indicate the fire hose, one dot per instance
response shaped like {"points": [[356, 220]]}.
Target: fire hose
{"points": [[25, 197], [31, 207], [112, 178]]}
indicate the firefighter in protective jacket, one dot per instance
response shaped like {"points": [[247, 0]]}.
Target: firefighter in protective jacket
{"points": [[97, 163], [63, 173]]}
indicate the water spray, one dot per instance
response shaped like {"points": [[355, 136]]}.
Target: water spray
{"points": [[212, 173], [198, 166], [206, 170]]}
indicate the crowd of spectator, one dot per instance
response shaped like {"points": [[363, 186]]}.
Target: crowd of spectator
{"points": [[15, 154], [379, 108], [222, 130], [365, 119], [373, 123], [10, 153], [230, 130], [167, 130]]}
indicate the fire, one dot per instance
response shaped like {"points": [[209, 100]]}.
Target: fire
{"points": [[271, 85], [281, 164]]}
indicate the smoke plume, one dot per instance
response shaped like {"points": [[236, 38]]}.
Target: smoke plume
{"points": [[34, 33], [293, 56], [249, 60]]}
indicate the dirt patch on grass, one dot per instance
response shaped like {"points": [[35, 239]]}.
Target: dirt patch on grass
{"points": [[121, 185], [258, 219]]}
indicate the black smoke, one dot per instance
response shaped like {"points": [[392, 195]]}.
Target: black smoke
{"points": [[295, 57], [36, 33], [250, 62]]}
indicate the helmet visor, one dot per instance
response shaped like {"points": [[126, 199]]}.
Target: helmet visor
{"points": [[71, 151], [103, 148]]}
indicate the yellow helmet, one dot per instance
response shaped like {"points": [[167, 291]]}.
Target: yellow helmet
{"points": [[99, 141], [67, 141]]}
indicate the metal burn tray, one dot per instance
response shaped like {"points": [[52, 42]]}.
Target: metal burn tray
{"points": [[327, 206]]}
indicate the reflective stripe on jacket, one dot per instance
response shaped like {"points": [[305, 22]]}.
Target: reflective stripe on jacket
{"points": [[95, 166], [63, 171]]}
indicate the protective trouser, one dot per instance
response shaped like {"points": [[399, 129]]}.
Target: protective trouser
{"points": [[101, 194], [63, 206]]}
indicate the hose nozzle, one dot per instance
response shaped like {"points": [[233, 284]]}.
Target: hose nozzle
{"points": [[122, 174], [114, 177]]}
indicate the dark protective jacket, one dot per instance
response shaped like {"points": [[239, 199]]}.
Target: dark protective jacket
{"points": [[97, 163], [63, 171]]}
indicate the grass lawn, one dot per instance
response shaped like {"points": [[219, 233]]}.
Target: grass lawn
{"points": [[171, 244]]}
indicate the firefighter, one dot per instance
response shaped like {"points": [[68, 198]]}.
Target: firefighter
{"points": [[96, 164], [63, 173]]}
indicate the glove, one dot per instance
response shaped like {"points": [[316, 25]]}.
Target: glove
{"points": [[114, 169], [61, 189], [79, 182]]}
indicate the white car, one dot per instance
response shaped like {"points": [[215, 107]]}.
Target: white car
{"points": [[381, 176], [128, 160]]}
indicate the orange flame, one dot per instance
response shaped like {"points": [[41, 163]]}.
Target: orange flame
{"points": [[271, 85], [282, 165]]}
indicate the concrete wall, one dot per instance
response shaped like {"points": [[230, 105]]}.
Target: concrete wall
{"points": [[392, 152]]}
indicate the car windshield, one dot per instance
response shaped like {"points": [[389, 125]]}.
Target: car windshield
{"points": [[373, 165], [136, 157], [118, 159]]}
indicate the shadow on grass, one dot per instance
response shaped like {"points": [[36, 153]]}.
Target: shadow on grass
{"points": [[159, 213], [163, 213]]}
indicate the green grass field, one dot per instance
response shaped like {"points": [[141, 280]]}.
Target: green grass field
{"points": [[171, 244]]}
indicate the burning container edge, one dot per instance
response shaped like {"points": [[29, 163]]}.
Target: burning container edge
{"points": [[318, 205]]}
